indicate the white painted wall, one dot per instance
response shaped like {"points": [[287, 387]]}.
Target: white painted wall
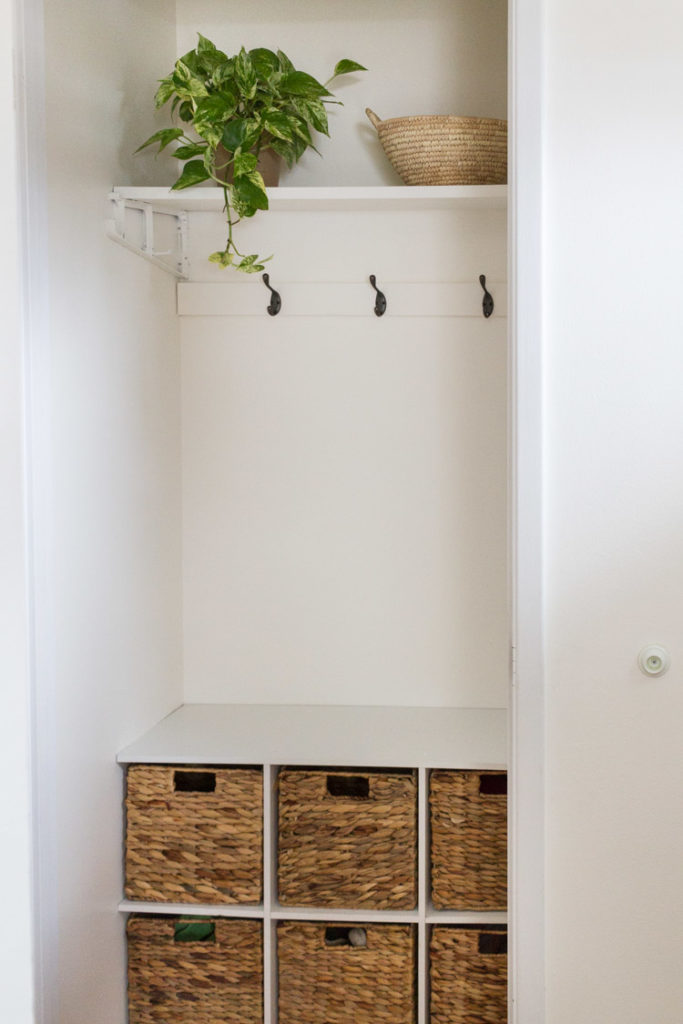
{"points": [[16, 954], [614, 545], [109, 504], [432, 57], [344, 510], [344, 479]]}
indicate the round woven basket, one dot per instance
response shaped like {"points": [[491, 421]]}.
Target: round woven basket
{"points": [[443, 149]]}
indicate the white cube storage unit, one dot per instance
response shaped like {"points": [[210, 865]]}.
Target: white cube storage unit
{"points": [[418, 739]]}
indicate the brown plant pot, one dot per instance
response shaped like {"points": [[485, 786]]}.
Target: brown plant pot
{"points": [[268, 164]]}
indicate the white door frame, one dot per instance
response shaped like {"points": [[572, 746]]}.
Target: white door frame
{"points": [[17, 841], [527, 718], [32, 213], [527, 740]]}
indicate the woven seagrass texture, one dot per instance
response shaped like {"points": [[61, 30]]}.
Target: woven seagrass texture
{"points": [[215, 982], [468, 842], [321, 984], [194, 847], [443, 149], [467, 986], [347, 851]]}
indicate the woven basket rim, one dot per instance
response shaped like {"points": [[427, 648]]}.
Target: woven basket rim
{"points": [[396, 122]]}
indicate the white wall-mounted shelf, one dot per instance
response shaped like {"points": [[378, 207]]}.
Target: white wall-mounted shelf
{"points": [[371, 737], [391, 197], [140, 217]]}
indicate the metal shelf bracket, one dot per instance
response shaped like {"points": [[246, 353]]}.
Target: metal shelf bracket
{"points": [[143, 242]]}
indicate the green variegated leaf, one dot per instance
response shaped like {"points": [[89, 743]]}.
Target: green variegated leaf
{"points": [[345, 67], [225, 72], [298, 83], [210, 57], [193, 173], [284, 149], [313, 111], [318, 116], [249, 197], [209, 117], [205, 45], [187, 83], [197, 89], [213, 62], [217, 107], [249, 265], [245, 75], [183, 90], [253, 134], [186, 111], [301, 130], [242, 209], [186, 152], [223, 259], [300, 147], [164, 92], [264, 62], [182, 73], [192, 62], [228, 96], [234, 134], [279, 126], [211, 135], [256, 178], [263, 100], [284, 61], [245, 163], [163, 137]]}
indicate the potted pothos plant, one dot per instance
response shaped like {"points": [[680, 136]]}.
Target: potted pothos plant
{"points": [[240, 108]]}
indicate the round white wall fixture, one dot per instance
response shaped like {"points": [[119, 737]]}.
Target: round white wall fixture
{"points": [[654, 660]]}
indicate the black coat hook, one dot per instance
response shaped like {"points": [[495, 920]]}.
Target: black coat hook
{"points": [[275, 300], [381, 300], [487, 301]]}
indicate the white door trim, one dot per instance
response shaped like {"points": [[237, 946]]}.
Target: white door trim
{"points": [[32, 206], [17, 825], [527, 718]]}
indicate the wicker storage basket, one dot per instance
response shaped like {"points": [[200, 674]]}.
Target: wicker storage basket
{"points": [[339, 983], [347, 839], [219, 981], [443, 149], [468, 975], [194, 834], [469, 840]]}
